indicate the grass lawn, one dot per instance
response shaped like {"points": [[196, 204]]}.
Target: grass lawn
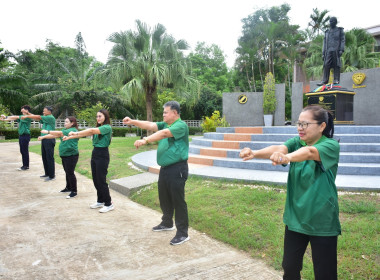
{"points": [[249, 217]]}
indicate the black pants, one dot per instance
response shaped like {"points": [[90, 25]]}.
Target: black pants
{"points": [[69, 164], [324, 255], [47, 150], [171, 192], [331, 61], [100, 160], [23, 141]]}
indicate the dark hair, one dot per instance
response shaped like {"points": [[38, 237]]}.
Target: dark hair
{"points": [[322, 115], [27, 107], [74, 122], [49, 108], [106, 117], [174, 105]]}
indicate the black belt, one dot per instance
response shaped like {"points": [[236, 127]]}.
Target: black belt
{"points": [[174, 164]]}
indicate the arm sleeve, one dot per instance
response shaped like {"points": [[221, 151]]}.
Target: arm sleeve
{"points": [[291, 144], [178, 130], [105, 129], [329, 153], [160, 125]]}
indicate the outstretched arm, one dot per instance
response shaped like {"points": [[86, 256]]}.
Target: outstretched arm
{"points": [[34, 117], [83, 133], [9, 118], [55, 133], [141, 124], [161, 134]]}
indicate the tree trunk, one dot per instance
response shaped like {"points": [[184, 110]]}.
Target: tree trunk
{"points": [[149, 108], [253, 77]]}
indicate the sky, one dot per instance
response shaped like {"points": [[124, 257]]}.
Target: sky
{"points": [[27, 24]]}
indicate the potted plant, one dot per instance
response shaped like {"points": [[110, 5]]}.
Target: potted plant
{"points": [[269, 99]]}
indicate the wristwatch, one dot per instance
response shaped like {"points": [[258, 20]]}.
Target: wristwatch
{"points": [[146, 139]]}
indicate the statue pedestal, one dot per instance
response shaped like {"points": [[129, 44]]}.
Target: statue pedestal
{"points": [[339, 102]]}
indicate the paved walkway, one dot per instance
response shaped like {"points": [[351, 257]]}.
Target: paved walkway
{"points": [[45, 236], [147, 160]]}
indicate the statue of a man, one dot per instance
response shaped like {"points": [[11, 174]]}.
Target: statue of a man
{"points": [[333, 47]]}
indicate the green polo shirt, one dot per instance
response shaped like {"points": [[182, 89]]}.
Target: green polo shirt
{"points": [[69, 147], [103, 139], [23, 125], [312, 201], [174, 149], [48, 123]]}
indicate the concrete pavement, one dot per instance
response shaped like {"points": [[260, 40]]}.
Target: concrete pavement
{"points": [[45, 236]]}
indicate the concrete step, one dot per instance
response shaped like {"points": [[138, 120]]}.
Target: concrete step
{"points": [[339, 129], [264, 164], [344, 147], [343, 138]]}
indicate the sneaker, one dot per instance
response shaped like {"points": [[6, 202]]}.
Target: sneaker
{"points": [[105, 209], [22, 168], [96, 205], [71, 195], [44, 176], [64, 190], [162, 228], [177, 240], [49, 179]]}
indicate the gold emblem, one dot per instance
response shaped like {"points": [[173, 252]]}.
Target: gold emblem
{"points": [[321, 98], [242, 98], [358, 78]]}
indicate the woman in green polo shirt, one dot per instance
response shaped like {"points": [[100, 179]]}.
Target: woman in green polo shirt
{"points": [[68, 151], [100, 158], [311, 209]]}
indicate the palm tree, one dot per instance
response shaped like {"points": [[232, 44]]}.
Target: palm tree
{"points": [[319, 21], [146, 60]]}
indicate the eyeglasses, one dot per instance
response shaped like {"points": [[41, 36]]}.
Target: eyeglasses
{"points": [[304, 125]]}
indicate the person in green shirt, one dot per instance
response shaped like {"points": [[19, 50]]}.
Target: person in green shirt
{"points": [[24, 135], [172, 155], [311, 210], [100, 158], [47, 145], [68, 151]]}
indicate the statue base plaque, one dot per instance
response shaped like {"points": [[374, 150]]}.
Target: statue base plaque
{"points": [[340, 103]]}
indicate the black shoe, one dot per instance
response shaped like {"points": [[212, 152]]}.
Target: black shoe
{"points": [[162, 228], [321, 84], [49, 179], [71, 195], [64, 190], [44, 176], [177, 240], [22, 168]]}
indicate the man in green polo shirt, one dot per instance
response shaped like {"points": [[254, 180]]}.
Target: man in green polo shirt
{"points": [[47, 145], [172, 155], [24, 135]]}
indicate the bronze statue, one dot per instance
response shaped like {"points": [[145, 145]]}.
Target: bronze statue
{"points": [[333, 48]]}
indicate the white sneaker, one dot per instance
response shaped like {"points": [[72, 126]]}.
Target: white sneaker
{"points": [[105, 209], [96, 205]]}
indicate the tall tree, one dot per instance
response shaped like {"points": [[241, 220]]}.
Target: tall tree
{"points": [[319, 21], [140, 62]]}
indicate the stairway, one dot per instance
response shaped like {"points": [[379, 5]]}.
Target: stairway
{"points": [[359, 148]]}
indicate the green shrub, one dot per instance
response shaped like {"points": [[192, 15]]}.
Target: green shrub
{"points": [[13, 133], [269, 96], [209, 124], [194, 130]]}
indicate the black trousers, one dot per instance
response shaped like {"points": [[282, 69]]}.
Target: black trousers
{"points": [[69, 164], [47, 150], [324, 255], [331, 61], [171, 192], [100, 160], [23, 141]]}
